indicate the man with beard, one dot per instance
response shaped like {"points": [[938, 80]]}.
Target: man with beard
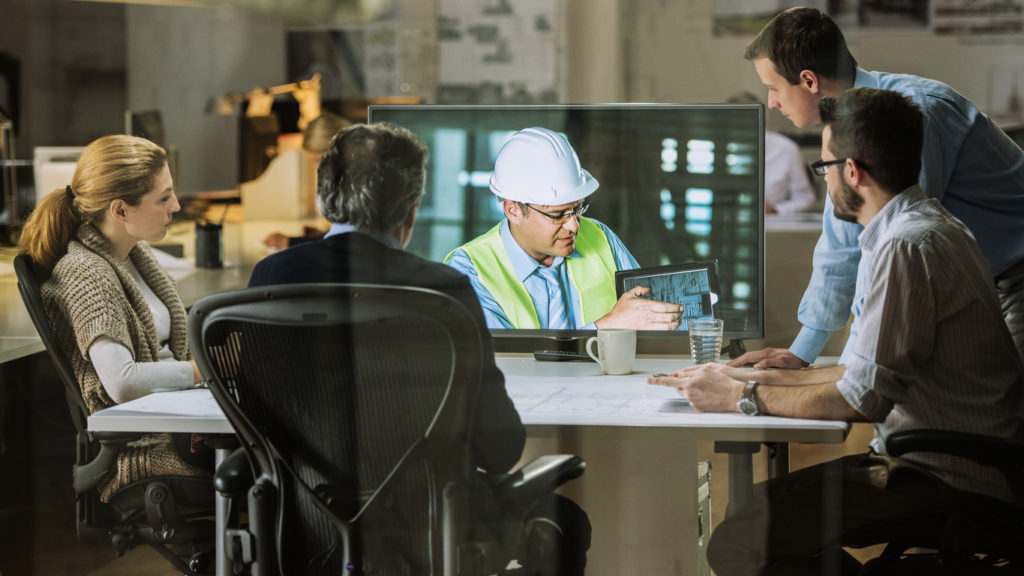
{"points": [[928, 350]]}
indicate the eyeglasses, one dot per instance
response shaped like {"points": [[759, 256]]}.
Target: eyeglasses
{"points": [[821, 166], [562, 218]]}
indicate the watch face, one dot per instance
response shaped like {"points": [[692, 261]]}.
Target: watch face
{"points": [[747, 406]]}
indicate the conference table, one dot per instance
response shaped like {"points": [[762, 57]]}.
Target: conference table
{"points": [[639, 441]]}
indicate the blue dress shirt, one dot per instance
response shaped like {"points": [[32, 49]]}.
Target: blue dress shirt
{"points": [[527, 270], [968, 164]]}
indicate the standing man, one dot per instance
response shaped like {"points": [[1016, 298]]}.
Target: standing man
{"points": [[369, 185], [933, 353], [546, 266], [968, 164]]}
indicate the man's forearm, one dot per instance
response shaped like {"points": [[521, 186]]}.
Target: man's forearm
{"points": [[814, 401], [801, 377]]}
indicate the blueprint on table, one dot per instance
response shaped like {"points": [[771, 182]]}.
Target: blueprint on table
{"points": [[554, 396]]}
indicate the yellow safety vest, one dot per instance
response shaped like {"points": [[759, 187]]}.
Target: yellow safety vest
{"points": [[592, 274]]}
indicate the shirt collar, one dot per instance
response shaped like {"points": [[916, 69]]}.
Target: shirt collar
{"points": [[522, 263], [865, 79], [346, 228], [876, 229]]}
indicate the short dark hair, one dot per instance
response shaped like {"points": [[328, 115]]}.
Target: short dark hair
{"points": [[883, 131], [371, 176], [804, 38]]}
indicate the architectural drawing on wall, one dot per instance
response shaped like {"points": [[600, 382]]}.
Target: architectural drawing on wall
{"points": [[747, 17], [895, 15], [1007, 90], [498, 52], [334, 53], [978, 17], [381, 58]]}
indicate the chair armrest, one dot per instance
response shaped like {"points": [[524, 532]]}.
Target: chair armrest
{"points": [[234, 475], [87, 476], [1006, 455], [538, 477]]}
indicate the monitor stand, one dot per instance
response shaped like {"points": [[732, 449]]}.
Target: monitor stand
{"points": [[569, 343], [735, 349]]}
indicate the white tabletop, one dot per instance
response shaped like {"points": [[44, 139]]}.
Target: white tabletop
{"points": [[192, 410], [558, 397], [18, 336], [551, 397], [798, 222]]}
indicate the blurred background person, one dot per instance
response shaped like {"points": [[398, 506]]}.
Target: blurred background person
{"points": [[787, 185], [315, 140]]}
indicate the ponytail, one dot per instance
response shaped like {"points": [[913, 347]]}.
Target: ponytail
{"points": [[110, 168], [50, 227]]}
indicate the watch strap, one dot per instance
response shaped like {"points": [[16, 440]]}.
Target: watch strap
{"points": [[750, 396]]}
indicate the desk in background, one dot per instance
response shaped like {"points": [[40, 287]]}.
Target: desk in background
{"points": [[243, 248], [789, 241], [639, 441]]}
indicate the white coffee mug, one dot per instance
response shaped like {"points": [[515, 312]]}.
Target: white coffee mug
{"points": [[616, 349]]}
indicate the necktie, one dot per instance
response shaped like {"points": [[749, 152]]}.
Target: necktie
{"points": [[557, 318]]}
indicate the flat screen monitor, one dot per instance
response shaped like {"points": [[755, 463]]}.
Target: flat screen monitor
{"points": [[148, 124], [679, 184]]}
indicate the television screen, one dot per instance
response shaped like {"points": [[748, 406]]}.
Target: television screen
{"points": [[146, 124], [679, 184]]}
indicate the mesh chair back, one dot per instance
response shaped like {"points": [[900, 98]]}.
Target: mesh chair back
{"points": [[356, 402], [30, 280]]}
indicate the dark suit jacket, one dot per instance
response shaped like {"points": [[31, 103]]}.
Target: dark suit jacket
{"points": [[499, 436]]}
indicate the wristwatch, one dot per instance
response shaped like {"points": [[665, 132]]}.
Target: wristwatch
{"points": [[749, 403]]}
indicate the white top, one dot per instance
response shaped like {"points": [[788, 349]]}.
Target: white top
{"points": [[125, 379], [787, 185]]}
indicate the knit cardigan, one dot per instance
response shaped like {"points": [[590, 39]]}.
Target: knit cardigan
{"points": [[91, 294]]}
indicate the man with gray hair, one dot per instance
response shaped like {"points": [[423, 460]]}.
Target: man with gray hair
{"points": [[369, 186]]}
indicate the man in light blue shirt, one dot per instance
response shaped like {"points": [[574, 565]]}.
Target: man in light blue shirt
{"points": [[546, 266], [933, 355], [974, 169]]}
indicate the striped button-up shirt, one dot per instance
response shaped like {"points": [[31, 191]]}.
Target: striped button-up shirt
{"points": [[929, 348]]}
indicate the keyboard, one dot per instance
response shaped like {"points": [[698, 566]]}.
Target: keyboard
{"points": [[559, 356]]}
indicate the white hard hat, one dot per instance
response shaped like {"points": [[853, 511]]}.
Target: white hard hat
{"points": [[538, 166]]}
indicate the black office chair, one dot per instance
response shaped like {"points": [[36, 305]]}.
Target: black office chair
{"points": [[169, 513], [355, 404], [977, 536]]}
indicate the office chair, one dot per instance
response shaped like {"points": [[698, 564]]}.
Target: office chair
{"points": [[169, 513], [355, 404], [985, 536]]}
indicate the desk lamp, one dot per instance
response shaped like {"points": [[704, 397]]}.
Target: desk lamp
{"points": [[305, 92]]}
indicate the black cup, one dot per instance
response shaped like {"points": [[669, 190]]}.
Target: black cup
{"points": [[208, 245]]}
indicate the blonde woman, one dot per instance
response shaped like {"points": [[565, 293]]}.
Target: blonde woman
{"points": [[116, 313]]}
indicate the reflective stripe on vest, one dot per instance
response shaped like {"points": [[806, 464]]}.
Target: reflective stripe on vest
{"points": [[592, 274]]}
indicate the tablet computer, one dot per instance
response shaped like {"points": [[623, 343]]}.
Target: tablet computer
{"points": [[694, 285]]}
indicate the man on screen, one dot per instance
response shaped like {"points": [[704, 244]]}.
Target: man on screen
{"points": [[546, 266], [369, 186]]}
